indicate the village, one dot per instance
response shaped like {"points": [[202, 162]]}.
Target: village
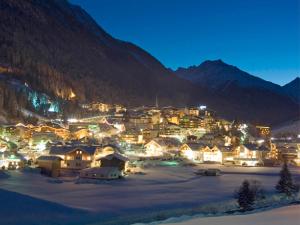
{"points": [[114, 142]]}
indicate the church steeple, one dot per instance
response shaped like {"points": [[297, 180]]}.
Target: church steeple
{"points": [[156, 101]]}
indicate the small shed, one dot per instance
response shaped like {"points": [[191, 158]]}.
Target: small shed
{"points": [[50, 165]]}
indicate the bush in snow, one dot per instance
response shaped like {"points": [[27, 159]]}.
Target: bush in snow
{"points": [[245, 196], [248, 193], [285, 184]]}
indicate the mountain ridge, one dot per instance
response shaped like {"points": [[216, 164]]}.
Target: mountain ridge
{"points": [[69, 43], [57, 50], [293, 89], [239, 88], [220, 69]]}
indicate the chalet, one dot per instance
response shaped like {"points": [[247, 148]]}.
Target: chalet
{"points": [[250, 154], [10, 160], [227, 154], [161, 146], [192, 151], [106, 129], [132, 136], [46, 137], [288, 149], [200, 152], [140, 121], [114, 160], [172, 131], [53, 128], [149, 134], [50, 165], [288, 153], [73, 127], [174, 119], [75, 156], [212, 154], [81, 134]]}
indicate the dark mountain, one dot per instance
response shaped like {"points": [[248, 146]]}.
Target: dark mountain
{"points": [[242, 94], [57, 48], [52, 52], [293, 89]]}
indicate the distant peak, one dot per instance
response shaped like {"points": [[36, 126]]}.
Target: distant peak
{"points": [[296, 81], [218, 62]]}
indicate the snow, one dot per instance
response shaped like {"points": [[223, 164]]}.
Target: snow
{"points": [[21, 209], [161, 189], [286, 215]]}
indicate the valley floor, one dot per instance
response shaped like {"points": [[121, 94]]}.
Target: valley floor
{"points": [[162, 190]]}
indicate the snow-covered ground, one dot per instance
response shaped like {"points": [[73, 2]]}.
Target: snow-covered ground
{"points": [[281, 216], [160, 190]]}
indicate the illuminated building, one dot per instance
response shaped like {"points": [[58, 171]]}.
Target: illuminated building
{"points": [[174, 119], [190, 122], [273, 154], [250, 155], [141, 121], [114, 160], [287, 150], [75, 156], [192, 151], [161, 146], [58, 131], [212, 154], [149, 134], [199, 152], [193, 111], [263, 131], [132, 137], [49, 165], [171, 130], [9, 160]]}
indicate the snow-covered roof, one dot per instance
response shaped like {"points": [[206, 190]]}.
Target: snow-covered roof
{"points": [[195, 145], [115, 155], [64, 149], [49, 158], [255, 147], [166, 141]]}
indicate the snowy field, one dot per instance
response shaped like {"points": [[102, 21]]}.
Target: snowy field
{"points": [[160, 190], [282, 216]]}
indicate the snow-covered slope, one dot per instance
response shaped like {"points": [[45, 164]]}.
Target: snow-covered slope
{"points": [[290, 127], [162, 192], [281, 216], [22, 209]]}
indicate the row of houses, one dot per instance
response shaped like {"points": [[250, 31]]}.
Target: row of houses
{"points": [[249, 154]]}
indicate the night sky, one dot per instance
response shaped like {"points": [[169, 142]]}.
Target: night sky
{"points": [[259, 36]]}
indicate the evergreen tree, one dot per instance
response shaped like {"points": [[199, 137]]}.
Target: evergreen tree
{"points": [[245, 196], [285, 184]]}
